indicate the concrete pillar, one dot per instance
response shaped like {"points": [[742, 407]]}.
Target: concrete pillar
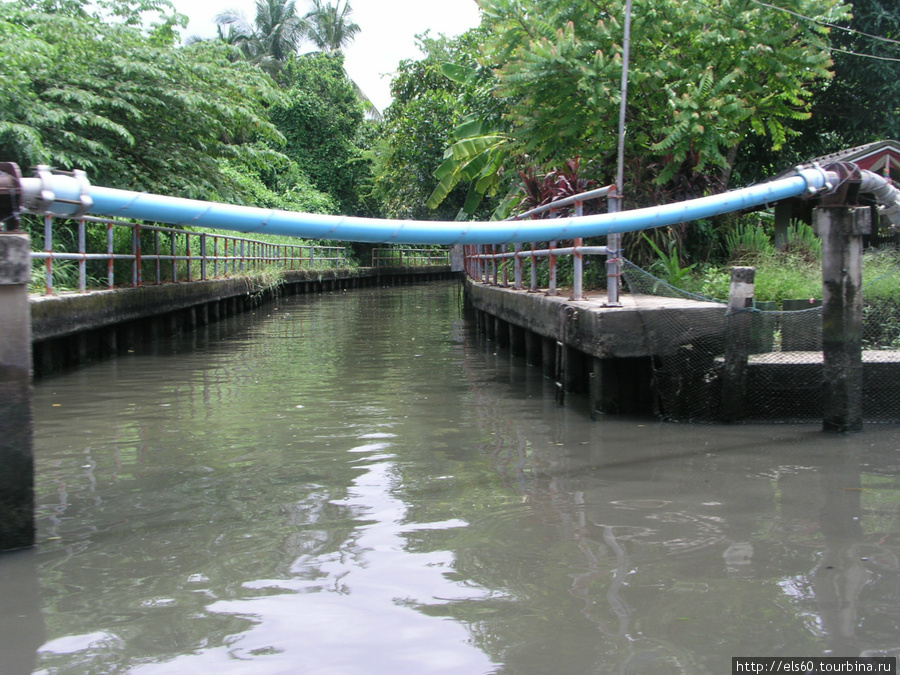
{"points": [[77, 352], [574, 376], [110, 343], [841, 229], [202, 314], [16, 424], [783, 210], [190, 319], [597, 387], [737, 343], [533, 351], [548, 357], [501, 332], [516, 340]]}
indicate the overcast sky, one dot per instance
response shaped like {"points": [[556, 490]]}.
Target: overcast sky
{"points": [[387, 35]]}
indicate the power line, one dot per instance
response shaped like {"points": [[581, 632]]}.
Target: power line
{"points": [[834, 25], [868, 56]]}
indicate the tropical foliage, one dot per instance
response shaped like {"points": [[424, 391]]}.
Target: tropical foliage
{"points": [[330, 27], [275, 33], [78, 90], [862, 103], [703, 76], [427, 106], [322, 119]]}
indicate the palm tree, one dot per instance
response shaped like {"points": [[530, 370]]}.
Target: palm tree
{"points": [[275, 33], [330, 27], [330, 30]]}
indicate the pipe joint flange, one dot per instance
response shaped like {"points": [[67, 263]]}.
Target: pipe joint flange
{"points": [[817, 179], [893, 214], [84, 196], [44, 198]]}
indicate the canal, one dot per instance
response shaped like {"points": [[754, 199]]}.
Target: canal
{"points": [[357, 482]]}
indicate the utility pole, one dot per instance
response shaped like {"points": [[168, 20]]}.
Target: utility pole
{"points": [[614, 241]]}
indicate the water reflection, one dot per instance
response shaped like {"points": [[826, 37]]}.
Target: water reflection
{"points": [[22, 628], [719, 522], [357, 483], [379, 631]]}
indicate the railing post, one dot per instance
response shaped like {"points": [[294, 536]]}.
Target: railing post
{"points": [[552, 260], [577, 271], [494, 264], [17, 528], [533, 269], [517, 265], [136, 279], [841, 229], [613, 263], [505, 249], [172, 252], [203, 256], [157, 267], [48, 249], [110, 262], [82, 263], [187, 248], [577, 260]]}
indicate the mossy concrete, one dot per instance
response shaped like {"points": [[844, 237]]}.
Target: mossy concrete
{"points": [[630, 331], [604, 352]]}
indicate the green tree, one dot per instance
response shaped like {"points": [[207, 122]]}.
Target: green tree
{"points": [[703, 76], [862, 102], [275, 33], [427, 106], [330, 27], [322, 118], [330, 30], [81, 90]]}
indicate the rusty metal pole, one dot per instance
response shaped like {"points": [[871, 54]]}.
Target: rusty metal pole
{"points": [[518, 267], [16, 424], [137, 272], [841, 229], [110, 263], [552, 262], [578, 260], [614, 241]]}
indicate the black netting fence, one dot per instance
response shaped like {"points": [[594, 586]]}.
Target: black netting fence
{"points": [[695, 341]]}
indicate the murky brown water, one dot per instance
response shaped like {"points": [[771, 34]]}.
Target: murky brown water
{"points": [[357, 483]]}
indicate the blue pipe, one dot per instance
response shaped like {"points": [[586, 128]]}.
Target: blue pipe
{"points": [[71, 195]]}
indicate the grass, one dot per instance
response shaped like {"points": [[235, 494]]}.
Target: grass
{"points": [[796, 274]]}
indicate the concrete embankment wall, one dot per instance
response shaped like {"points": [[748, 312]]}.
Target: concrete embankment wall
{"points": [[606, 353], [73, 328], [582, 350], [669, 358]]}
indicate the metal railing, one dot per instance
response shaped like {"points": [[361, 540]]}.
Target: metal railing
{"points": [[485, 261], [410, 257], [170, 255]]}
